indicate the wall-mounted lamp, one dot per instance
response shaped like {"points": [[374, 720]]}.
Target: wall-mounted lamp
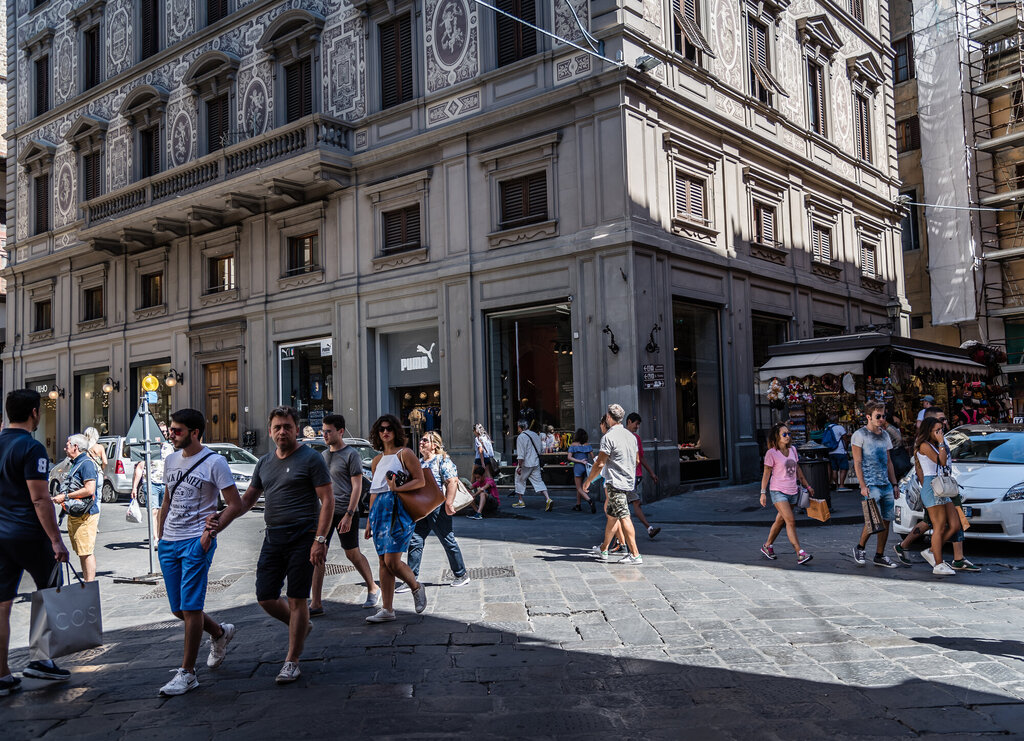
{"points": [[173, 378], [646, 63], [614, 347], [111, 386], [56, 393], [652, 346]]}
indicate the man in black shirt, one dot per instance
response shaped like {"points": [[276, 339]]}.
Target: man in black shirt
{"points": [[29, 537], [292, 479]]}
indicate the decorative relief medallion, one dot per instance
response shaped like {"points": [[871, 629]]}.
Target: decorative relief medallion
{"points": [[65, 68], [65, 191], [451, 43], [454, 108], [254, 108], [118, 156], [727, 44], [182, 136], [22, 215], [572, 67], [180, 20]]}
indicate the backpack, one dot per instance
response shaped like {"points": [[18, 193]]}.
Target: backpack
{"points": [[829, 438]]}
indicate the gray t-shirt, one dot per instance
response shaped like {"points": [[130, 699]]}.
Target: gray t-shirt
{"points": [[289, 487], [619, 444], [874, 455], [343, 465]]}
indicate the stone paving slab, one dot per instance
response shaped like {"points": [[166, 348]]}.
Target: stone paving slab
{"points": [[705, 640]]}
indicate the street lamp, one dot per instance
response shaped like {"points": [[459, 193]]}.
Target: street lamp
{"points": [[110, 385], [56, 393], [173, 378]]}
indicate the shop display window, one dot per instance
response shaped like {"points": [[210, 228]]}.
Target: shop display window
{"points": [[699, 417], [530, 356], [92, 405], [307, 381], [46, 433], [161, 411]]}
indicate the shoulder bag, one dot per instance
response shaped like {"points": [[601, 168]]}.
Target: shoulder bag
{"points": [[76, 507], [944, 485], [463, 497], [421, 502]]}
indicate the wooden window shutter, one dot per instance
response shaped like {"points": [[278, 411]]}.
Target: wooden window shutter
{"points": [[527, 10], [910, 56], [537, 195], [506, 33], [412, 226], [298, 83], [697, 199], [402, 229], [392, 230], [405, 58], [816, 93], [511, 202], [149, 23], [42, 195], [216, 123], [867, 259], [396, 61], [826, 245], [42, 85], [91, 53], [215, 10], [766, 224], [91, 175], [862, 124], [516, 41]]}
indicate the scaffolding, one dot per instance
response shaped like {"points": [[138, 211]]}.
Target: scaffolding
{"points": [[992, 40]]}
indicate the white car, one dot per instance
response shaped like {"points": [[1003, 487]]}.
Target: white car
{"points": [[241, 462], [988, 463]]}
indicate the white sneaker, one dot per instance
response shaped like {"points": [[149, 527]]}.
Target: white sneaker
{"points": [[419, 597], [289, 673], [219, 646], [943, 569], [927, 556], [461, 581], [181, 683], [381, 616], [630, 559]]}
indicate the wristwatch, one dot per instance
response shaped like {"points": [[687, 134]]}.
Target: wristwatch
{"points": [[322, 539]]}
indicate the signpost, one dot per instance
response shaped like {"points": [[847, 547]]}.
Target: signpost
{"points": [[652, 376]]}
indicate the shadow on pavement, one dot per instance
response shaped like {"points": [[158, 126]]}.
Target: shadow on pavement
{"points": [[989, 646], [429, 677]]}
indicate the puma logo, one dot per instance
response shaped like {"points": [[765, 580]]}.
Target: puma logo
{"points": [[429, 353]]}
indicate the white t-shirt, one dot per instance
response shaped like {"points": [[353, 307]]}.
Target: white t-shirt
{"points": [[195, 498], [619, 444], [838, 431], [528, 447]]}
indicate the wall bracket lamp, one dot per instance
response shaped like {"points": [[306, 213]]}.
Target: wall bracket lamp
{"points": [[614, 347], [173, 378]]}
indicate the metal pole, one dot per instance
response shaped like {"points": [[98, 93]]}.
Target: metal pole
{"points": [[145, 480]]}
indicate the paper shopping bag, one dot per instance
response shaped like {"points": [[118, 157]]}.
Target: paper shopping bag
{"points": [[65, 620], [818, 510], [872, 517]]}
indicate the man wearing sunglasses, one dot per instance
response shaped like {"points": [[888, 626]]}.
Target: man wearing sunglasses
{"points": [[872, 464]]}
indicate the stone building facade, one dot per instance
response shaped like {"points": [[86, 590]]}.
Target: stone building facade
{"points": [[424, 208]]}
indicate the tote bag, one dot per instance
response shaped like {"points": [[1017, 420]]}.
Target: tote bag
{"points": [[65, 619]]}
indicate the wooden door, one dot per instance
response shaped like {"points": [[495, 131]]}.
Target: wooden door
{"points": [[221, 402]]}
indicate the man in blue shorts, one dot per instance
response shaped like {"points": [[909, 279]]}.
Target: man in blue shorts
{"points": [[29, 537], [194, 476], [871, 462]]}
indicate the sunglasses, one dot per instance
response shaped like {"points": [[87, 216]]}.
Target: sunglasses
{"points": [[425, 441], [385, 428], [878, 416], [177, 431], [784, 434]]}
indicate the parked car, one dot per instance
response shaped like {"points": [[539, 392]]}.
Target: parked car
{"points": [[57, 474], [988, 463], [366, 452], [241, 462], [122, 458]]}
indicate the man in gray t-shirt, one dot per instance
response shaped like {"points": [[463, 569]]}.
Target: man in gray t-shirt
{"points": [[346, 468], [617, 461]]}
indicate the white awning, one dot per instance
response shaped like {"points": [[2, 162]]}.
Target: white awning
{"points": [[933, 361], [815, 364]]}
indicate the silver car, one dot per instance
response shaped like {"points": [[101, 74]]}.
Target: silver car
{"points": [[241, 462]]}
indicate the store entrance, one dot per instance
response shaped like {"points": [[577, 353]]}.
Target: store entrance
{"points": [[419, 410]]}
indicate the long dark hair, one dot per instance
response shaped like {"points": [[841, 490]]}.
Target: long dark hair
{"points": [[775, 436], [396, 426], [924, 434]]}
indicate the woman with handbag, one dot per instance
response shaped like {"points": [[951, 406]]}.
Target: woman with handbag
{"points": [[436, 460], [781, 467], [396, 469], [581, 456], [931, 459]]}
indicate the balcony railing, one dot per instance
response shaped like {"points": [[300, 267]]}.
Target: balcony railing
{"points": [[294, 139]]}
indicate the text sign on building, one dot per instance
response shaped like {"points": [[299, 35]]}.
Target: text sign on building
{"points": [[652, 376], [413, 358]]}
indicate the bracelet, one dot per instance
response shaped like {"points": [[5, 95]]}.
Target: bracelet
{"points": [[350, 514]]}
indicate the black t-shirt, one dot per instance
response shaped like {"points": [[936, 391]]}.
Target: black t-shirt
{"points": [[289, 487], [22, 459], [343, 465]]}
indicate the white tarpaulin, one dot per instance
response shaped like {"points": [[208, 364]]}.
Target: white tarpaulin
{"points": [[815, 364], [945, 122]]}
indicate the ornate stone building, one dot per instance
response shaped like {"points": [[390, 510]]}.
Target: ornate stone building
{"points": [[427, 208]]}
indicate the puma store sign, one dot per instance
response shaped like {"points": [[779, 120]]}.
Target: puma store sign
{"points": [[413, 358]]}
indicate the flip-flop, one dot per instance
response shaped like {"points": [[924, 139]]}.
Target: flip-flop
{"points": [[316, 611]]}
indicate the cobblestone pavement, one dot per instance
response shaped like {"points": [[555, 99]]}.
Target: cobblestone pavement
{"points": [[705, 640]]}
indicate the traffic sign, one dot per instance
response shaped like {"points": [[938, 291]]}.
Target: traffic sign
{"points": [[652, 368]]}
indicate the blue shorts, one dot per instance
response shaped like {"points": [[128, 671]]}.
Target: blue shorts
{"points": [[928, 498], [839, 461], [186, 568], [778, 496], [884, 498]]}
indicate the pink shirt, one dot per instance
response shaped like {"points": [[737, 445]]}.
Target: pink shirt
{"points": [[783, 470]]}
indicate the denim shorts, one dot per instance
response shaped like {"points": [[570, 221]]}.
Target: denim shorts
{"points": [[886, 503], [778, 496], [839, 461], [928, 497]]}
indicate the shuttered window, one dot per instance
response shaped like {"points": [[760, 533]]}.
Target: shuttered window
{"points": [[215, 10], [152, 290], [92, 303], [42, 196], [303, 253], [690, 198], [764, 224], [149, 28], [816, 97], [42, 85], [43, 316], [862, 127], [514, 40], [763, 84], [867, 260], [903, 63], [524, 200], [688, 38], [857, 9], [821, 243], [908, 134], [298, 81], [149, 152], [91, 57], [401, 229], [91, 174], [216, 123], [395, 61]]}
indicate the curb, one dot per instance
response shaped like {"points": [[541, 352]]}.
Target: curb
{"points": [[803, 522]]}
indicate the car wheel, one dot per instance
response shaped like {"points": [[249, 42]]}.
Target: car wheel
{"points": [[141, 496], [107, 493]]}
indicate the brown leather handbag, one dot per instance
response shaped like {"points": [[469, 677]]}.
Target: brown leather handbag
{"points": [[421, 502]]}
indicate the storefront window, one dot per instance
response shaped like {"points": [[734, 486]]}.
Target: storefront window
{"points": [[307, 381], [92, 406], [161, 411], [46, 433], [765, 332], [414, 380], [530, 357], [698, 391]]}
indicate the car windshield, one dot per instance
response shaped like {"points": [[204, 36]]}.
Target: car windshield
{"points": [[366, 453], [237, 455], [991, 447]]}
